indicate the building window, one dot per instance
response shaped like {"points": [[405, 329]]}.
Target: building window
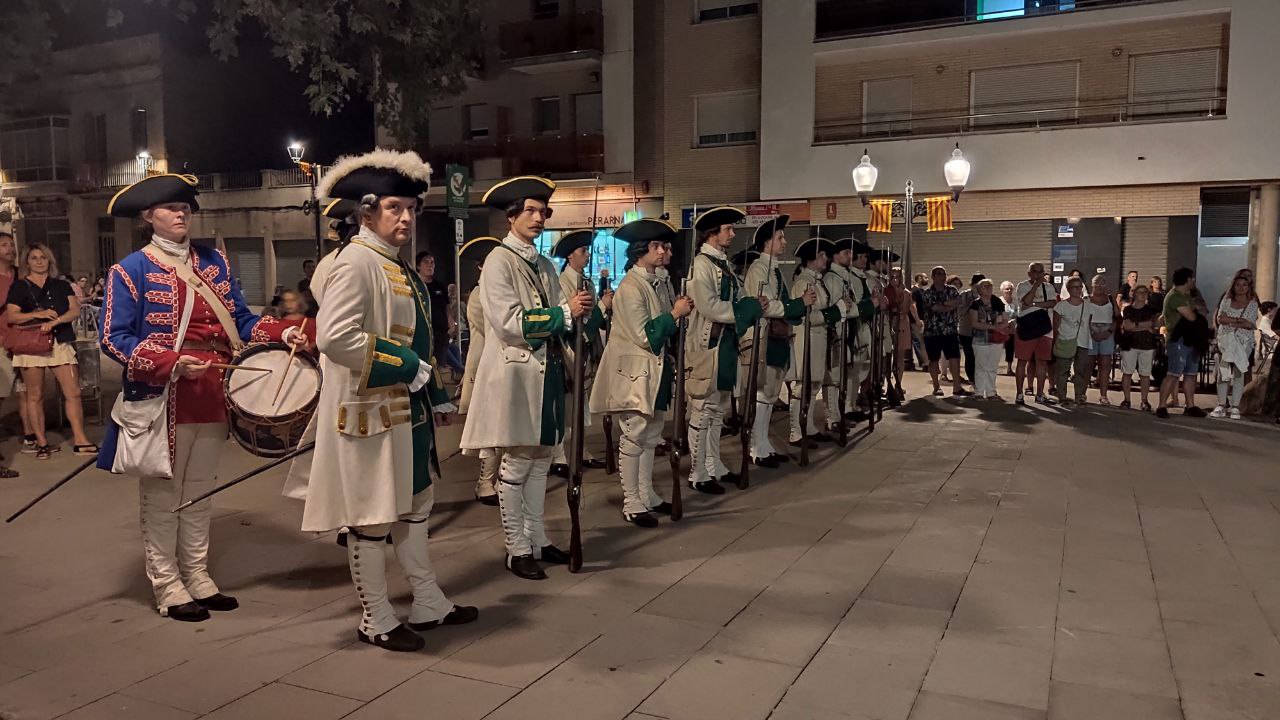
{"points": [[1026, 95], [248, 265], [886, 106], [138, 130], [730, 119], [1176, 83], [546, 115], [588, 113], [34, 149], [95, 139], [477, 121], [106, 242], [546, 8], [723, 9]]}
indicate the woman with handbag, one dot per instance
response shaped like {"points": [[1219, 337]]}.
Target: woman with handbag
{"points": [[40, 308], [171, 310]]}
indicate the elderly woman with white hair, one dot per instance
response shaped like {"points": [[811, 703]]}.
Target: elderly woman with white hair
{"points": [[990, 325], [1011, 312]]}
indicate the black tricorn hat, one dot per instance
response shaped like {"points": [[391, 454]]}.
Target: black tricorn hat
{"points": [[889, 255], [571, 241], [477, 249], [857, 246], [645, 230], [382, 173], [152, 191], [743, 259], [340, 208], [765, 231], [526, 186], [808, 250], [715, 217]]}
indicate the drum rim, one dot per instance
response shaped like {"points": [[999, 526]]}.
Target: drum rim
{"points": [[257, 349]]}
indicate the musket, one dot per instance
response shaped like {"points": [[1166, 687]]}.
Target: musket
{"points": [[256, 471], [873, 384], [51, 488], [679, 440], [574, 488], [806, 377], [610, 450], [843, 356], [749, 397]]}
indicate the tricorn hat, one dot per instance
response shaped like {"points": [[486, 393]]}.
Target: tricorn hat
{"points": [[526, 186], [808, 250], [152, 191], [382, 173], [766, 231], [715, 217], [477, 249], [571, 241]]}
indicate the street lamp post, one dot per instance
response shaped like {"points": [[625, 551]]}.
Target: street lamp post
{"points": [[296, 151], [955, 170]]}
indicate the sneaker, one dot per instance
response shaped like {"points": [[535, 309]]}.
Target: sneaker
{"points": [[29, 446], [1194, 411], [1125, 404], [1049, 401], [1162, 412], [1218, 412], [1146, 406], [1235, 413], [1020, 400]]}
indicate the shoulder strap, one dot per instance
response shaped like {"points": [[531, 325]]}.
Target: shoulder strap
{"points": [[530, 273], [188, 276]]}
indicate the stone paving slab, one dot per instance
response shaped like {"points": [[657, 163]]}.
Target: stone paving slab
{"points": [[967, 560]]}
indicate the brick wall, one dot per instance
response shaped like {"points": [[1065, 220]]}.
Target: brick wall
{"points": [[702, 58], [1132, 201], [1103, 78]]}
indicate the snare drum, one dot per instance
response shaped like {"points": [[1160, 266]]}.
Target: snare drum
{"points": [[266, 425]]}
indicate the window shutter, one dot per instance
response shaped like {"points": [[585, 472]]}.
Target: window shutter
{"points": [[249, 266], [727, 118], [1174, 82], [1146, 247], [1026, 87], [886, 106], [999, 249]]}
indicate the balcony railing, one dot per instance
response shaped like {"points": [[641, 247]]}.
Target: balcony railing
{"points": [[93, 177], [840, 19], [521, 154], [842, 131], [549, 37]]}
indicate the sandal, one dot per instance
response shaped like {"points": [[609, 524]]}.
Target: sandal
{"points": [[89, 449], [1104, 400], [937, 392], [44, 452], [1146, 406], [1124, 404], [7, 473]]}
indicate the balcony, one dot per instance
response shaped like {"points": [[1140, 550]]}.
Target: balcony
{"points": [[112, 176], [556, 44], [840, 19], [563, 154], [1183, 108]]}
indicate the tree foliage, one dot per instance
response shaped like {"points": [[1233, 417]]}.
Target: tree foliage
{"points": [[402, 55]]}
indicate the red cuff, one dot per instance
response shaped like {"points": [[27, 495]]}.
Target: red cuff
{"points": [[151, 364], [268, 329]]}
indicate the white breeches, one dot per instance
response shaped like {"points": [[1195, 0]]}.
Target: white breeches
{"points": [[640, 436], [522, 490]]}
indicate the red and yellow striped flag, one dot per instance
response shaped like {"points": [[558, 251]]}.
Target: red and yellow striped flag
{"points": [[880, 218], [938, 214]]}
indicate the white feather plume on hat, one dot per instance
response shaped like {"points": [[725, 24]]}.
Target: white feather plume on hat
{"points": [[407, 163]]}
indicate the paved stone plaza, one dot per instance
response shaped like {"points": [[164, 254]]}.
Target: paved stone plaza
{"points": [[968, 560]]}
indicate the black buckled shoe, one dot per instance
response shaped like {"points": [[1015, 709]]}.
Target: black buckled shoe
{"points": [[662, 449], [662, 508], [559, 470], [780, 458], [730, 478], [187, 612], [218, 602], [400, 639], [593, 464], [525, 567], [822, 437], [710, 487], [490, 500], [643, 519], [809, 442], [855, 416], [554, 555], [766, 462], [459, 615]]}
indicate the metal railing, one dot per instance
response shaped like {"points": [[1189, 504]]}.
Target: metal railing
{"points": [[1188, 108], [561, 35], [559, 153], [842, 19]]}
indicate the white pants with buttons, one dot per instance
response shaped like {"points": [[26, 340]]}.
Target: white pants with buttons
{"points": [[522, 490], [177, 544], [366, 555], [640, 437], [706, 418]]}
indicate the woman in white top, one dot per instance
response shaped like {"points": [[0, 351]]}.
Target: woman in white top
{"points": [[1237, 316], [1102, 335], [1071, 342]]}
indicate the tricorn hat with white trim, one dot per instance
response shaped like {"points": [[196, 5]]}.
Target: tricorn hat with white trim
{"points": [[381, 173]]}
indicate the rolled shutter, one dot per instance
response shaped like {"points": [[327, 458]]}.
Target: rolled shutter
{"points": [[1014, 90], [1146, 247], [249, 267], [1174, 82], [999, 249]]}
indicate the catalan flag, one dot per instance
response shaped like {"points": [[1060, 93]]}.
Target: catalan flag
{"points": [[938, 214], [881, 216]]}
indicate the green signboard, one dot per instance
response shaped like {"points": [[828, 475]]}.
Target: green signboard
{"points": [[457, 190]]}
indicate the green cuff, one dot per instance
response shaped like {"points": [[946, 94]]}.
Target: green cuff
{"points": [[595, 320], [542, 323], [831, 315], [793, 309], [866, 309], [388, 363], [745, 314], [658, 330]]}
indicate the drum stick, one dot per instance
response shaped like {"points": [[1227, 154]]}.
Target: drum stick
{"points": [[285, 376], [224, 366]]}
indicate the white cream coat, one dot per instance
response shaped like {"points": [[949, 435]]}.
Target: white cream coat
{"points": [[630, 374]]}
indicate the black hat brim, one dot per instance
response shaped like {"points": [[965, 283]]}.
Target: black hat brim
{"points": [[155, 190], [501, 195], [477, 249], [808, 250], [645, 230], [717, 217], [571, 241], [766, 230], [377, 181], [340, 208]]}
